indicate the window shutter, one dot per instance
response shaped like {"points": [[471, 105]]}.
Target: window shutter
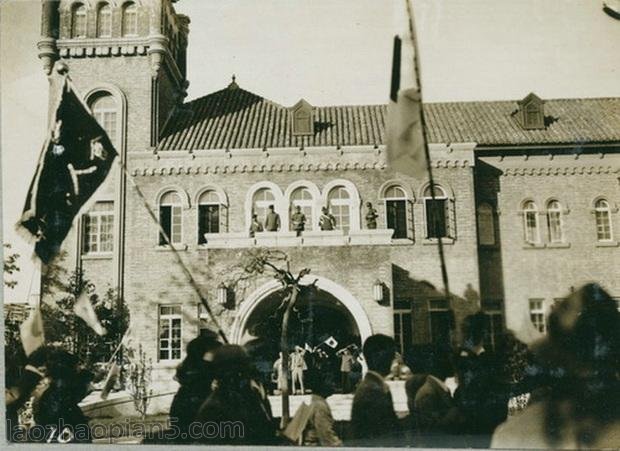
{"points": [[223, 217], [451, 219], [165, 213], [410, 221]]}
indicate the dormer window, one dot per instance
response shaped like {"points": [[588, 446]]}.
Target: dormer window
{"points": [[531, 113], [301, 118]]}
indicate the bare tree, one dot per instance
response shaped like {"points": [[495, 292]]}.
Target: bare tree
{"points": [[10, 266], [260, 262], [139, 380]]}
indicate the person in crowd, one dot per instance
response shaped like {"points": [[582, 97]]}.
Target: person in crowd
{"points": [[298, 366], [373, 419], [371, 216], [238, 400], [255, 225], [20, 393], [346, 365], [327, 221], [195, 376], [580, 360], [319, 430], [272, 220], [399, 369], [482, 395], [433, 408], [278, 372], [57, 409], [298, 221]]}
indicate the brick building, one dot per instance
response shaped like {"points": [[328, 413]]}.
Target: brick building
{"points": [[526, 203]]}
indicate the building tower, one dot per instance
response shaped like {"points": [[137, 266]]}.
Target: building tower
{"points": [[128, 60]]}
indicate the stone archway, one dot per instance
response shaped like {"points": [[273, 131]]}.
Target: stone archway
{"points": [[342, 295]]}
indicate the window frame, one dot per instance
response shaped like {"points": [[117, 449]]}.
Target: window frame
{"points": [[525, 211], [540, 323], [98, 215], [304, 204], [448, 213], [108, 8], [399, 337], [173, 208], [485, 211], [170, 318], [555, 229], [79, 17], [341, 202], [597, 213], [130, 8], [221, 208], [438, 309], [106, 115], [266, 203], [406, 202]]}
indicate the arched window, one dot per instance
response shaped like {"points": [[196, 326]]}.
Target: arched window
{"points": [[130, 19], [530, 222], [262, 199], [210, 214], [339, 202], [554, 221], [602, 214], [170, 218], [439, 213], [302, 198], [104, 110], [78, 21], [104, 21], [486, 225], [396, 210]]}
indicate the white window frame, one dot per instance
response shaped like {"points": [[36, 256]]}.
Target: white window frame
{"points": [[96, 216], [529, 207], [304, 204], [536, 306], [221, 210], [340, 203], [176, 211], [401, 313], [447, 213], [169, 318], [104, 10], [79, 21], [555, 221], [407, 202], [130, 11], [263, 205], [598, 212], [106, 116]]}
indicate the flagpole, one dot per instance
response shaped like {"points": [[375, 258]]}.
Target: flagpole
{"points": [[176, 254], [429, 168]]}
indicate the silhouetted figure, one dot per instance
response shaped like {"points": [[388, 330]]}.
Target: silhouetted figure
{"points": [[238, 401], [195, 376], [482, 393], [319, 430], [298, 221], [580, 361], [371, 216], [346, 366], [373, 420], [57, 409]]}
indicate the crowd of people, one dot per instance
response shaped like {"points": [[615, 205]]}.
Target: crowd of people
{"points": [[460, 399]]}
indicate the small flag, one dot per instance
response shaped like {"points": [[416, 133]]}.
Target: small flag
{"points": [[406, 152], [84, 309], [75, 160], [31, 332], [307, 347], [331, 342], [110, 380]]}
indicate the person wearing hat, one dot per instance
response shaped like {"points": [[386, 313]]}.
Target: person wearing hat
{"points": [[237, 399], [579, 361]]}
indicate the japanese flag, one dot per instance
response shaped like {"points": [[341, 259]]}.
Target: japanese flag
{"points": [[84, 309], [31, 332], [331, 342]]}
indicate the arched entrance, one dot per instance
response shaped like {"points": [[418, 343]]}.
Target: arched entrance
{"points": [[326, 319]]}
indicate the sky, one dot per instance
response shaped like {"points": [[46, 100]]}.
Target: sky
{"points": [[330, 52]]}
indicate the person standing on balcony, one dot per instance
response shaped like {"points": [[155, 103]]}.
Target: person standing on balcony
{"points": [[298, 220], [327, 221], [256, 226], [272, 220]]}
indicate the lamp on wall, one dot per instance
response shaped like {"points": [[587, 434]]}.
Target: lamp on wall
{"points": [[222, 294], [377, 291]]}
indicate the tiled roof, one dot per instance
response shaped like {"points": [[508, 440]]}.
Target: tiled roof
{"points": [[238, 119]]}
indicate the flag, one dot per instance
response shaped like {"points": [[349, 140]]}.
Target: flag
{"points": [[31, 332], [84, 309], [308, 348], [405, 143], [331, 342], [110, 380], [75, 160]]}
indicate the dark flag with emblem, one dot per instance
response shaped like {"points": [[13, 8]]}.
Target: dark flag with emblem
{"points": [[75, 160]]}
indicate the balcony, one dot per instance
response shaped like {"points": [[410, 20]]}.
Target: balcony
{"points": [[290, 239]]}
